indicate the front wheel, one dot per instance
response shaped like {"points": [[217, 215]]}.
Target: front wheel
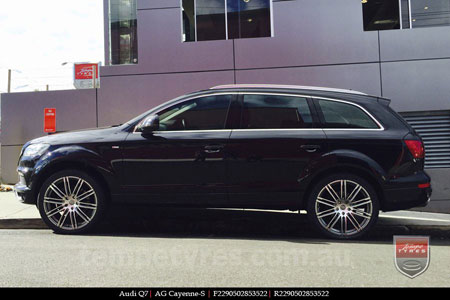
{"points": [[343, 206], [71, 202]]}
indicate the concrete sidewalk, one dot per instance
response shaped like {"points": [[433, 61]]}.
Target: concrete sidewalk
{"points": [[14, 214], [11, 208]]}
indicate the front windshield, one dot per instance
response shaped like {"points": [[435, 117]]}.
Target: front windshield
{"points": [[153, 110]]}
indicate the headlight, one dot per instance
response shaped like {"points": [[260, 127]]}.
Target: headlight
{"points": [[35, 150]]}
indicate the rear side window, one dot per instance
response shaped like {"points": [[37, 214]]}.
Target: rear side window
{"points": [[274, 112], [342, 115], [206, 113]]}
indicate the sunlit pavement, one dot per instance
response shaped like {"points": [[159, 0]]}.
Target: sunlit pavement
{"points": [[196, 247]]}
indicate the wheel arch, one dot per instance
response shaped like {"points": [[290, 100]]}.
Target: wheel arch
{"points": [[46, 172], [370, 177]]}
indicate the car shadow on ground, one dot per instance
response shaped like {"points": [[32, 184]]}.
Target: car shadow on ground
{"points": [[146, 222]]}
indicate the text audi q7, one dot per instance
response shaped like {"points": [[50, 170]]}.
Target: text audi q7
{"points": [[340, 155]]}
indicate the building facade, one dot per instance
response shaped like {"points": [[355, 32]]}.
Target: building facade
{"points": [[156, 50]]}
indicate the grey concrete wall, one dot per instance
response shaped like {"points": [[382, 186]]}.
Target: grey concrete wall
{"points": [[23, 120]]}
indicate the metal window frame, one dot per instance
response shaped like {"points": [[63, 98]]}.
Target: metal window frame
{"points": [[169, 104], [400, 10]]}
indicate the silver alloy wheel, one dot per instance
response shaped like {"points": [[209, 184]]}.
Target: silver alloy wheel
{"points": [[344, 207], [70, 203]]}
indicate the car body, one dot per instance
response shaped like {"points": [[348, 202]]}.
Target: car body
{"points": [[240, 146]]}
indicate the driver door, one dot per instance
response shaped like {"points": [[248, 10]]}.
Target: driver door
{"points": [[183, 161]]}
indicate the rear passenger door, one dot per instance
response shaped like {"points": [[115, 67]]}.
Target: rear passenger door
{"points": [[275, 141]]}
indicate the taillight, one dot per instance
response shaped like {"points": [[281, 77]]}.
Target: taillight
{"points": [[416, 148]]}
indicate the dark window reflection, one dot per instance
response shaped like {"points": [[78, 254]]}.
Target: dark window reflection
{"points": [[381, 15], [248, 18], [272, 112], [205, 20], [123, 32], [428, 13], [341, 115], [210, 20], [206, 113], [188, 10]]}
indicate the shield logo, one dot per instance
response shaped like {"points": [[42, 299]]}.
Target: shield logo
{"points": [[412, 254]]}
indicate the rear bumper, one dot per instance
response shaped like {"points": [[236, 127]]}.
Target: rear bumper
{"points": [[407, 192]]}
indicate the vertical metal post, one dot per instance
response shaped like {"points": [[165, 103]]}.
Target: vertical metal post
{"points": [[410, 14], [226, 19], [94, 77], [47, 87], [195, 18], [9, 81]]}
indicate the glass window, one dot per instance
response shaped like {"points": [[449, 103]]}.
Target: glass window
{"points": [[342, 115], [210, 20], [205, 20], [248, 18], [404, 14], [188, 11], [429, 13], [272, 111], [123, 32], [205, 113], [381, 14]]}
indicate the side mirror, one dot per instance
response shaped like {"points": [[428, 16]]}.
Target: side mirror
{"points": [[150, 124]]}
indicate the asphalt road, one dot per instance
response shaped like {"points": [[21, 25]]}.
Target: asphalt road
{"points": [[167, 248]]}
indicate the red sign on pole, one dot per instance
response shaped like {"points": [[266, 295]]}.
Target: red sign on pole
{"points": [[86, 75], [85, 71], [49, 120]]}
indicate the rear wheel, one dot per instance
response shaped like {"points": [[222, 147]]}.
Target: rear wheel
{"points": [[343, 206], [71, 202]]}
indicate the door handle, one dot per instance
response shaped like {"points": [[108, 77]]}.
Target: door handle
{"points": [[310, 148], [213, 148]]}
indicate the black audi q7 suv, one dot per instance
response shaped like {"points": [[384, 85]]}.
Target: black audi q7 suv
{"points": [[340, 155]]}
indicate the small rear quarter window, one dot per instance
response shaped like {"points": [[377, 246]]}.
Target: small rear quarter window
{"points": [[342, 115]]}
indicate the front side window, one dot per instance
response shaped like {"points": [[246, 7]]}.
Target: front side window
{"points": [[207, 113], [275, 112], [342, 115], [122, 32], [405, 14], [205, 20]]}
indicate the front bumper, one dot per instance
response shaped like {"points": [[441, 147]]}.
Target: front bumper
{"points": [[23, 193], [22, 189], [407, 192]]}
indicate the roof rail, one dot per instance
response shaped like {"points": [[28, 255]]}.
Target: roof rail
{"points": [[280, 86]]}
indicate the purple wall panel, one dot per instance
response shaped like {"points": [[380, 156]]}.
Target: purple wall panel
{"points": [[162, 51], [23, 113], [150, 4], [315, 32], [9, 157], [123, 97], [360, 77]]}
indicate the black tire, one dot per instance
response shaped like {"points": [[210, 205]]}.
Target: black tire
{"points": [[71, 202], [344, 215]]}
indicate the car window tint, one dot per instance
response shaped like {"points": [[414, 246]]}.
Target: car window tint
{"points": [[273, 112], [342, 115], [205, 113]]}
